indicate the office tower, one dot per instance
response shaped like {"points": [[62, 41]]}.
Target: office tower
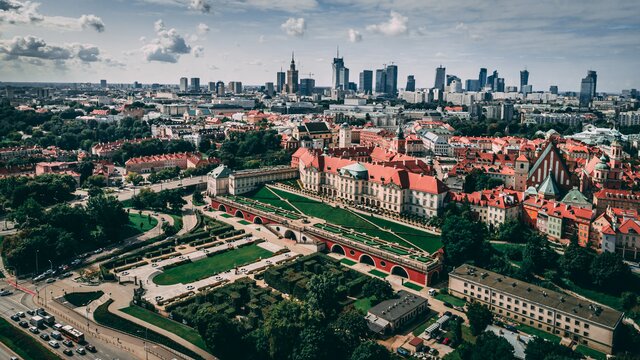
{"points": [[440, 78], [281, 79], [524, 79], [411, 83], [472, 85], [184, 84], [553, 89], [212, 87], [381, 81], [452, 78], [366, 81], [482, 78], [195, 84], [340, 73], [269, 89], [235, 87], [353, 86], [499, 84], [103, 84], [306, 86], [507, 111], [588, 88], [137, 85], [220, 91], [526, 89], [392, 80], [292, 77]]}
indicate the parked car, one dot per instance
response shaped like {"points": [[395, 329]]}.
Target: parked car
{"points": [[23, 324], [447, 304], [5, 292], [31, 312], [34, 330], [54, 344], [21, 314], [50, 280], [511, 328], [446, 341], [81, 351]]}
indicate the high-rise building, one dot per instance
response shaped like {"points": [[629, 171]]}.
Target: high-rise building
{"points": [[292, 77], [103, 84], [392, 80], [220, 91], [137, 85], [411, 83], [366, 81], [588, 88], [472, 85], [212, 87], [269, 89], [499, 84], [553, 89], [524, 79], [482, 78], [281, 80], [340, 73], [353, 86], [381, 81], [306, 86], [235, 87], [440, 78], [452, 78], [195, 84], [184, 84]]}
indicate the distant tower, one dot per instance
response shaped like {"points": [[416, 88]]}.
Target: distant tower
{"points": [[392, 80], [440, 78], [616, 154], [340, 73], [411, 83], [292, 77], [588, 88], [521, 173], [184, 84], [366, 81], [381, 81], [524, 79], [482, 78], [281, 80], [220, 88], [344, 135], [399, 142]]}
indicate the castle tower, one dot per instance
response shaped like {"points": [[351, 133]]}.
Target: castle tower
{"points": [[344, 135]]}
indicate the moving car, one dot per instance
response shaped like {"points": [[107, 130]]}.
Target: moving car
{"points": [[34, 330], [68, 352], [90, 348], [23, 324], [67, 343], [44, 337], [54, 344], [15, 317]]}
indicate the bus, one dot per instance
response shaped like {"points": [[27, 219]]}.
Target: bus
{"points": [[72, 334]]}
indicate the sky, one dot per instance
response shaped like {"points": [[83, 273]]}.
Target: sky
{"points": [[160, 41]]}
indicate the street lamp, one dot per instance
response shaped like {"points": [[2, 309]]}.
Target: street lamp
{"points": [[146, 349], [37, 251]]}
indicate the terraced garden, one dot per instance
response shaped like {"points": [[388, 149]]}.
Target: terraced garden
{"points": [[371, 225]]}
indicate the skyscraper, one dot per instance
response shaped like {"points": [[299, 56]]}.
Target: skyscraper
{"points": [[524, 78], [306, 86], [553, 89], [220, 91], [392, 80], [103, 84], [499, 84], [268, 88], [195, 84], [184, 84], [366, 81], [381, 81], [588, 88], [492, 80], [235, 87], [482, 78], [281, 79], [411, 83], [292, 77], [212, 86], [440, 78], [340, 73]]}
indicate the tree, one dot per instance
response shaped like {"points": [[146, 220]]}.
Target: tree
{"points": [[537, 256], [313, 345], [349, 329], [370, 350], [108, 213], [540, 349], [29, 211], [134, 178], [378, 290], [575, 263], [464, 240], [219, 333], [510, 231], [85, 169], [629, 300], [283, 324], [322, 294], [456, 331], [169, 229], [96, 181], [197, 197], [479, 317], [488, 346], [609, 272]]}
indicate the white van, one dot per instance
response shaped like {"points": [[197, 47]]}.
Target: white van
{"points": [[56, 335], [432, 292]]}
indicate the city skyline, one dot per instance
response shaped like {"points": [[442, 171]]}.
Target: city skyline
{"points": [[163, 40]]}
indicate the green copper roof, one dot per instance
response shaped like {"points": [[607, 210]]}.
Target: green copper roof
{"points": [[549, 186], [574, 196]]}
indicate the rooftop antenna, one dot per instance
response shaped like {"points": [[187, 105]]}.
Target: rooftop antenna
{"points": [[338, 51]]}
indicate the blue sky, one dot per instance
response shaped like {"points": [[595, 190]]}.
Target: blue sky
{"points": [[249, 40]]}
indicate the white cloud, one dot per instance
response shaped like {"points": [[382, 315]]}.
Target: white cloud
{"points": [[198, 51], [462, 26], [261, 39], [203, 28], [397, 25], [91, 21], [294, 27], [354, 35], [37, 48], [17, 12], [167, 46], [200, 5]]}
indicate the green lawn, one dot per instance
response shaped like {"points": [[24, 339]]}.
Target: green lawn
{"points": [[188, 333], [22, 344], [266, 196], [450, 299], [244, 222], [424, 325], [591, 352], [391, 231], [363, 304], [348, 262], [226, 216], [413, 286], [104, 317], [212, 265], [177, 221], [82, 298], [378, 273], [138, 224], [539, 333]]}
